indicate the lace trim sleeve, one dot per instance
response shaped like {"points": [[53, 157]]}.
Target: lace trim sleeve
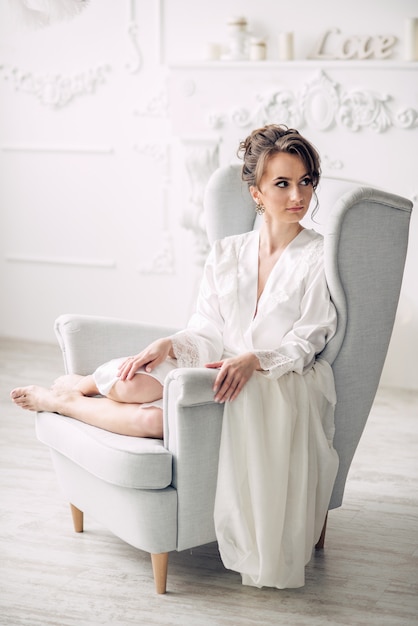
{"points": [[274, 363], [186, 349]]}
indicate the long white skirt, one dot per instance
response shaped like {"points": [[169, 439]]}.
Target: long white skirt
{"points": [[277, 468]]}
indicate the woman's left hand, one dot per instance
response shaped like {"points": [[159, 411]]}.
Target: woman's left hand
{"points": [[233, 374]]}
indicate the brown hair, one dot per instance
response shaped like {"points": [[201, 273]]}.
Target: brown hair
{"points": [[258, 148]]}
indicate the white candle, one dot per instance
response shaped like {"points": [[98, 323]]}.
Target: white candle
{"points": [[258, 50], [213, 51], [411, 39], [285, 46]]}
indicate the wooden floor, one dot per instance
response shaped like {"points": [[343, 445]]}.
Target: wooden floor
{"points": [[367, 574]]}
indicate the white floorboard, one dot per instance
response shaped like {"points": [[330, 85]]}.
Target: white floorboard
{"points": [[367, 574]]}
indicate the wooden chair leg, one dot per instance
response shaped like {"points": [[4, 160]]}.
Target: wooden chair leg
{"points": [[77, 518], [160, 567], [321, 541]]}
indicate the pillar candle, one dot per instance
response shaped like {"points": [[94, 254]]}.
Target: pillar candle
{"points": [[411, 39], [213, 51], [285, 46]]}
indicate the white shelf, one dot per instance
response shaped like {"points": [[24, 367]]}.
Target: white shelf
{"points": [[297, 64]]}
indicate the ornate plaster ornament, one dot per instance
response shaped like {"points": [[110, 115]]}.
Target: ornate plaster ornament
{"points": [[159, 153], [360, 109], [55, 90], [163, 261], [201, 160], [135, 62], [157, 105], [322, 103], [331, 164], [39, 13]]}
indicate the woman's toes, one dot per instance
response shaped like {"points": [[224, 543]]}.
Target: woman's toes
{"points": [[32, 398], [18, 394]]}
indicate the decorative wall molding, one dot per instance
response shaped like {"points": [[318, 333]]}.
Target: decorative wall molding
{"points": [[331, 164], [159, 152], [163, 261], [321, 104], [55, 90], [201, 160], [57, 149], [158, 105], [160, 30], [42, 14], [31, 260], [135, 63]]}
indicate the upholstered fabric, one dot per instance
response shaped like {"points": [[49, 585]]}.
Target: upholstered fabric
{"points": [[366, 238], [192, 433], [135, 515], [365, 247], [159, 496], [88, 341], [229, 207], [131, 462]]}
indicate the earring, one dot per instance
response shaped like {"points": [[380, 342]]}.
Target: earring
{"points": [[259, 209]]}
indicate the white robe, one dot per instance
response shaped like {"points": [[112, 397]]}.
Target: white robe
{"points": [[277, 465]]}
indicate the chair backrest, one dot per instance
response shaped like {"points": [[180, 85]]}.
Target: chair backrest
{"points": [[365, 243]]}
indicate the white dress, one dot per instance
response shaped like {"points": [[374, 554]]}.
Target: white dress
{"points": [[277, 465]]}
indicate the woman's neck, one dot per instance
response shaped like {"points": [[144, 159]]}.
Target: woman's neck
{"points": [[275, 237]]}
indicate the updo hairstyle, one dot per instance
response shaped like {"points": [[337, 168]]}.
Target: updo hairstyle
{"points": [[263, 143]]}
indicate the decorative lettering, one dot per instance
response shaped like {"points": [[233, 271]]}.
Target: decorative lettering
{"points": [[333, 45]]}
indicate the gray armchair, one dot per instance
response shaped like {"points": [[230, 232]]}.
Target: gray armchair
{"points": [[159, 495]]}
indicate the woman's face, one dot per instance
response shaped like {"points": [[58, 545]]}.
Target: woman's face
{"points": [[285, 188]]}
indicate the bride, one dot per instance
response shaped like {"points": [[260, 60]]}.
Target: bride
{"points": [[263, 316]]}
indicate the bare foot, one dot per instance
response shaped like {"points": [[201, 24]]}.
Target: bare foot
{"points": [[66, 383], [34, 398]]}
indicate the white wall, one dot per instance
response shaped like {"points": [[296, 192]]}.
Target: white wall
{"points": [[94, 194]]}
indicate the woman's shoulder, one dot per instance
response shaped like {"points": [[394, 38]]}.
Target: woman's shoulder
{"points": [[235, 242], [312, 235], [312, 243]]}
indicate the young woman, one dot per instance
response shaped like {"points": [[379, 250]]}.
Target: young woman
{"points": [[263, 315]]}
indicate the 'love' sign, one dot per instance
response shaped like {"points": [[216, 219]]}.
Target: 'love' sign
{"points": [[333, 45]]}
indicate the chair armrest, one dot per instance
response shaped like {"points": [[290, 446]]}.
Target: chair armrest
{"points": [[192, 433], [88, 341], [194, 385]]}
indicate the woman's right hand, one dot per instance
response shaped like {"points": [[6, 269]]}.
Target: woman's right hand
{"points": [[153, 355]]}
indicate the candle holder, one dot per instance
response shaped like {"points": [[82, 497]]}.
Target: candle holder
{"points": [[238, 40]]}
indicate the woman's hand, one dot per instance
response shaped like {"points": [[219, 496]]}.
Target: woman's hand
{"points": [[233, 374], [153, 355]]}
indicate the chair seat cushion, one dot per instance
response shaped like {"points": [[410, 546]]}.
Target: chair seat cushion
{"points": [[132, 462]]}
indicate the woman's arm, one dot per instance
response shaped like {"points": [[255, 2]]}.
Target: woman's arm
{"points": [[202, 341], [153, 355], [309, 334], [234, 372]]}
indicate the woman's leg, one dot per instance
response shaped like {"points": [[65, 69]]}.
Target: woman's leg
{"points": [[141, 388], [74, 382], [120, 413]]}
